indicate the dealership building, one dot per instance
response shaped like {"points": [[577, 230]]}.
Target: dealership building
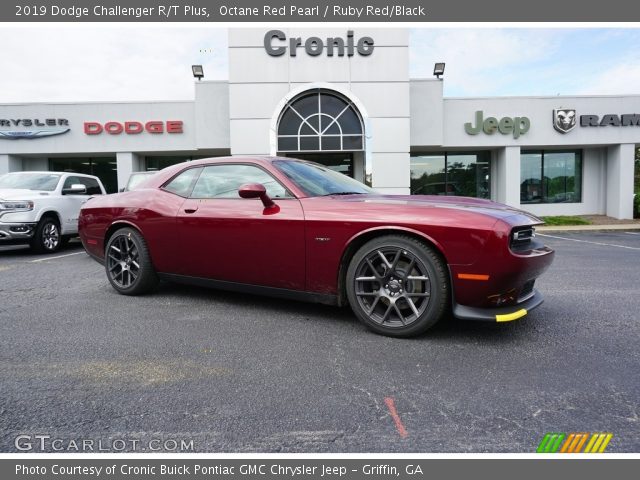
{"points": [[343, 97]]}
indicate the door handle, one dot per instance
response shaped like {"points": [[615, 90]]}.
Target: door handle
{"points": [[190, 210]]}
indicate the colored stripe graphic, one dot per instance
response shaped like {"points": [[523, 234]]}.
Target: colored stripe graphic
{"points": [[573, 442], [598, 442], [550, 443], [569, 443], [578, 447]]}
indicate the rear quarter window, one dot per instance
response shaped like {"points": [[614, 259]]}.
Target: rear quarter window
{"points": [[182, 184]]}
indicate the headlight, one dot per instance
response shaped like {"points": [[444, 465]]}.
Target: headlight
{"points": [[524, 234], [17, 206]]}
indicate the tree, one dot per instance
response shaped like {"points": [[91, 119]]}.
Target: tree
{"points": [[636, 185]]}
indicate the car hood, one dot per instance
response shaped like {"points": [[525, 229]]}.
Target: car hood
{"points": [[21, 194], [476, 205]]}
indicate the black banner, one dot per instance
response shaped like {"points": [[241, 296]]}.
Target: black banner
{"points": [[326, 469], [278, 11]]}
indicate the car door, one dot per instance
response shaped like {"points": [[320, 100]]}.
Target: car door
{"points": [[71, 204], [229, 238]]}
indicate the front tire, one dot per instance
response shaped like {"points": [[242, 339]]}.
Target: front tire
{"points": [[397, 286], [47, 238], [128, 263]]}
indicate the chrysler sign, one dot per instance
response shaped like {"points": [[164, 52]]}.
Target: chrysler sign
{"points": [[29, 128]]}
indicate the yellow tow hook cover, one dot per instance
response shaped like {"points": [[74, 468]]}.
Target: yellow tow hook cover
{"points": [[508, 317]]}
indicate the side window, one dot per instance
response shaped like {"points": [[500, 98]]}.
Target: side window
{"points": [[182, 184], [223, 181], [71, 181], [93, 188]]}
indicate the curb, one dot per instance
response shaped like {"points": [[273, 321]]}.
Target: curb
{"points": [[589, 228]]}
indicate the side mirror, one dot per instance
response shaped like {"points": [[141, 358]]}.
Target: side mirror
{"points": [[75, 189], [256, 190]]}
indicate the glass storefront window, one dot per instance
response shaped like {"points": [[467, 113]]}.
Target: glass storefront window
{"points": [[105, 168], [319, 121], [452, 173], [339, 162], [551, 177], [428, 175], [162, 161]]}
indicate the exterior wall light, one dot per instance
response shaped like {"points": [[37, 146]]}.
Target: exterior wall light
{"points": [[198, 71], [438, 69]]}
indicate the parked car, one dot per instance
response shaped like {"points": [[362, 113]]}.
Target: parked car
{"points": [[295, 229], [135, 179], [41, 208]]}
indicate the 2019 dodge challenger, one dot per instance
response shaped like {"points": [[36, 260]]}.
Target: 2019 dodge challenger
{"points": [[295, 229]]}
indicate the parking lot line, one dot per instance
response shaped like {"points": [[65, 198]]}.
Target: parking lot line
{"points": [[396, 418], [54, 258], [587, 241]]}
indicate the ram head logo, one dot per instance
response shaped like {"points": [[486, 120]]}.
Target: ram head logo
{"points": [[564, 119]]}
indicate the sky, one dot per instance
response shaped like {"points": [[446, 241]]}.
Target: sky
{"points": [[146, 63]]}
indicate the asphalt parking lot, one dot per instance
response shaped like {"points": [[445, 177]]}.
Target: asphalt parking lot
{"points": [[236, 373]]}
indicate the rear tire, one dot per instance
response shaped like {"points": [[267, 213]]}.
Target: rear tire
{"points": [[397, 286], [47, 238], [128, 263]]}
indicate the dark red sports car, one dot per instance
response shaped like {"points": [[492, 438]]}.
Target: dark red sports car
{"points": [[295, 229]]}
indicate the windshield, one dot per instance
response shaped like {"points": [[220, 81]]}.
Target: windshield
{"points": [[316, 180], [30, 181]]}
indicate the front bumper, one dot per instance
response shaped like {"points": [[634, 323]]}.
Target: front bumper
{"points": [[16, 232], [499, 314]]}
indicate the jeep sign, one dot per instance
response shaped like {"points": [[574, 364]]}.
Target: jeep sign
{"points": [[515, 126]]}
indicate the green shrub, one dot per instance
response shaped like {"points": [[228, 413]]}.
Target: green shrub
{"points": [[565, 220]]}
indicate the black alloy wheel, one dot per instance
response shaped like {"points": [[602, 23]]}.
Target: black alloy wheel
{"points": [[128, 263], [397, 286]]}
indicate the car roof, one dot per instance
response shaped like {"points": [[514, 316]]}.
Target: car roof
{"points": [[75, 174], [239, 158], [35, 173], [264, 159], [167, 173]]}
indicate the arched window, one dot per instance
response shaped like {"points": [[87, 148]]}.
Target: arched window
{"points": [[320, 120]]}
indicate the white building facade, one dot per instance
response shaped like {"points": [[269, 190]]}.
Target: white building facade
{"points": [[343, 97]]}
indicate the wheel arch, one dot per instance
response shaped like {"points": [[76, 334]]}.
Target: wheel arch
{"points": [[117, 225], [51, 213], [358, 240]]}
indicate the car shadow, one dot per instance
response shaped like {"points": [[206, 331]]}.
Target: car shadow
{"points": [[22, 251], [262, 302], [342, 317]]}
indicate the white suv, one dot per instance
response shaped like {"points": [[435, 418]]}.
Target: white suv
{"points": [[41, 208]]}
